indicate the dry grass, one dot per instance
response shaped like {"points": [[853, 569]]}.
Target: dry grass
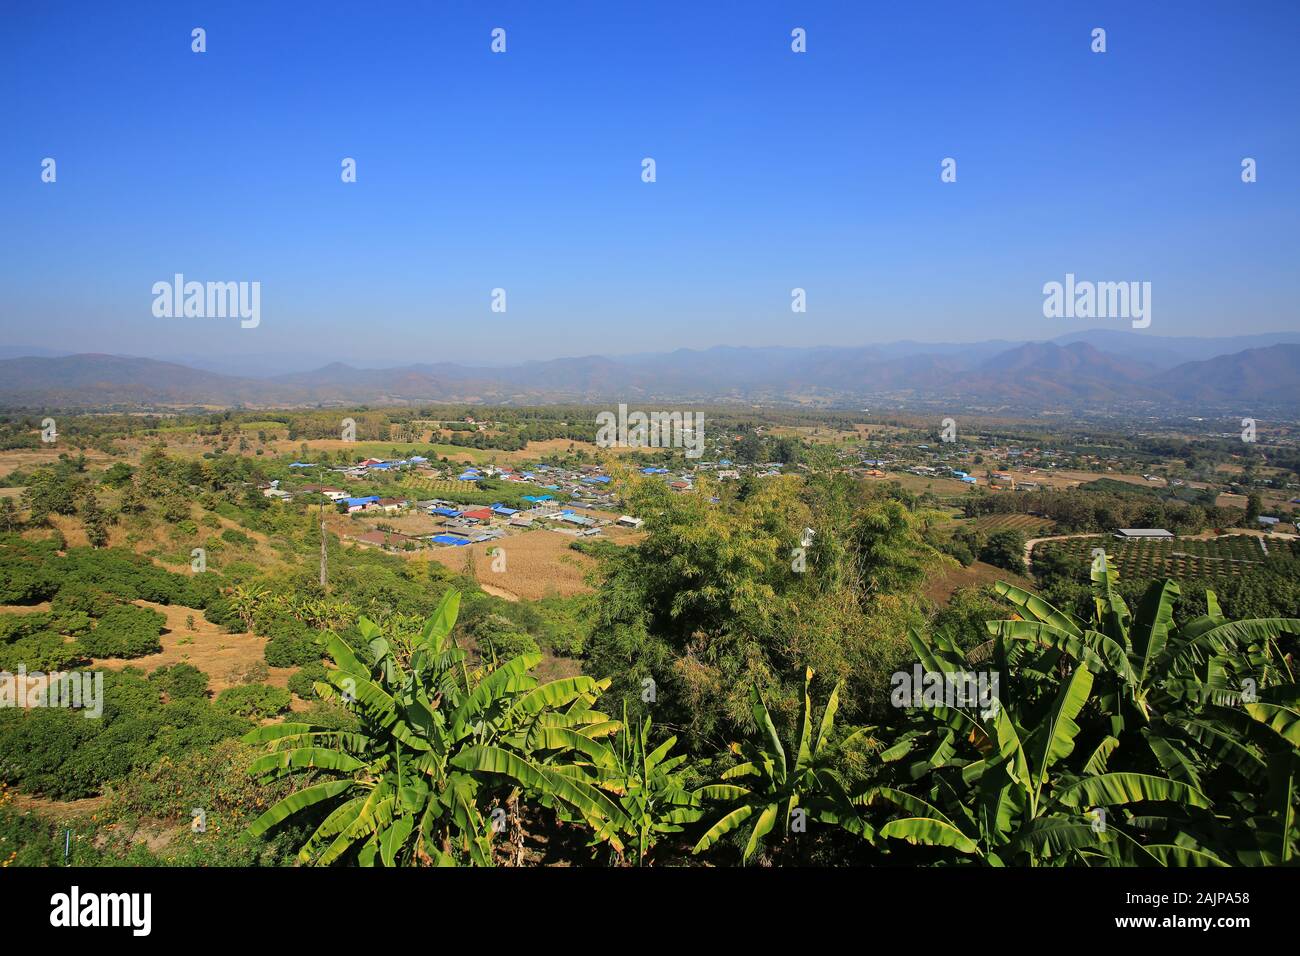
{"points": [[207, 647], [939, 486], [538, 564], [28, 458], [939, 587]]}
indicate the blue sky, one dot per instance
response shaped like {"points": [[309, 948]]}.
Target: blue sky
{"points": [[522, 171]]}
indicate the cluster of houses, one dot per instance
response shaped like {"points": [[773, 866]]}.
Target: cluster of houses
{"points": [[562, 499], [559, 498]]}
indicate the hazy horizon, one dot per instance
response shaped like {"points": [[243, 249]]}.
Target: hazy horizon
{"points": [[522, 171], [265, 365]]}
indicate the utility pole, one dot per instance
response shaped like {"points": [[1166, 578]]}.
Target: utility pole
{"points": [[323, 553]]}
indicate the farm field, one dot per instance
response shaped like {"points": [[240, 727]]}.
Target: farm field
{"points": [[939, 486], [538, 564], [223, 656], [1028, 525], [1181, 558], [939, 586], [438, 487]]}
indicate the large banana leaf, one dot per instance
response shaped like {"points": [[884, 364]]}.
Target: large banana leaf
{"points": [[303, 758], [1057, 733], [297, 801], [1038, 609], [929, 831], [1285, 721], [724, 826], [1111, 789]]}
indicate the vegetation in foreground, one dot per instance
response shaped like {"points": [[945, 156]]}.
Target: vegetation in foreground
{"points": [[1124, 739]]}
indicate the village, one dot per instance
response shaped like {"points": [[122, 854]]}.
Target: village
{"points": [[433, 506]]}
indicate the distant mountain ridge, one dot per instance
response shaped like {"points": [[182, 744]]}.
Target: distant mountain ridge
{"points": [[1027, 376]]}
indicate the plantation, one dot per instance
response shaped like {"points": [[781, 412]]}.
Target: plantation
{"points": [[1028, 525], [1181, 558]]}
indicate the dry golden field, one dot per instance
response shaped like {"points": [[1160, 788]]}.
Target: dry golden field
{"points": [[537, 564]]}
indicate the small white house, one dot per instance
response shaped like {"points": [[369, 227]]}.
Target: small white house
{"points": [[627, 521]]}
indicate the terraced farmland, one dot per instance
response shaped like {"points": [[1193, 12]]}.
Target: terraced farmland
{"points": [[1028, 525], [438, 487], [1181, 558]]}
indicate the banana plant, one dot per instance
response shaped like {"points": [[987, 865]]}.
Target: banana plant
{"points": [[1198, 724], [1009, 784], [648, 788], [436, 741], [779, 797]]}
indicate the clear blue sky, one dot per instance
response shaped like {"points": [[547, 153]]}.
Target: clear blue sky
{"points": [[522, 171]]}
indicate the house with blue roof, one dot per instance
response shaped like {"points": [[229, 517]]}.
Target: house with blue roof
{"points": [[367, 503]]}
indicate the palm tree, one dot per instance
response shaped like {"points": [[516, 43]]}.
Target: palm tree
{"points": [[437, 742]]}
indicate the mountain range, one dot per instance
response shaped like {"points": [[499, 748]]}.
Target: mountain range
{"points": [[1097, 369]]}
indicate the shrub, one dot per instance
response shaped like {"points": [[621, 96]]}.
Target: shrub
{"points": [[509, 645], [84, 598], [60, 753], [253, 700], [220, 612], [292, 651], [181, 680], [42, 651], [32, 641], [23, 580], [236, 537], [125, 631], [300, 682]]}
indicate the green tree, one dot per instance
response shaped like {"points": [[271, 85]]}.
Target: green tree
{"points": [[1005, 549], [10, 519], [94, 520]]}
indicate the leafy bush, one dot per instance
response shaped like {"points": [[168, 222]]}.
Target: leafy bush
{"points": [[292, 650], [63, 754], [43, 651], [125, 631], [253, 700], [235, 537], [181, 680], [24, 577], [83, 598], [508, 645], [301, 681], [292, 642], [33, 641]]}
